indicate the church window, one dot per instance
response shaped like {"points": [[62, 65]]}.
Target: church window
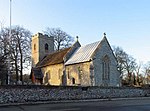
{"points": [[46, 78], [46, 47], [34, 47], [73, 80], [68, 74], [80, 72], [106, 68]]}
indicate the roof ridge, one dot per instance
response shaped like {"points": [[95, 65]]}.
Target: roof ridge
{"points": [[91, 43], [59, 50]]}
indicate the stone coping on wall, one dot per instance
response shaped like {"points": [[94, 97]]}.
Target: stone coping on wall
{"points": [[64, 87]]}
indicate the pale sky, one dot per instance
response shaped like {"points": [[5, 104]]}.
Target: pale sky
{"points": [[126, 22]]}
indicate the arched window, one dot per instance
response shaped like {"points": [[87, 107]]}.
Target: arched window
{"points": [[73, 80], [106, 68], [46, 47], [34, 47], [68, 73], [80, 72], [47, 77]]}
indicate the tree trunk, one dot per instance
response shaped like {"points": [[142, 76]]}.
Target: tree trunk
{"points": [[21, 70], [21, 61], [16, 69]]}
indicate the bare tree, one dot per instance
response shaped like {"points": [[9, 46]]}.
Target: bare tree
{"points": [[137, 70], [126, 63], [21, 40], [61, 38], [120, 56], [130, 66], [147, 73], [3, 69], [4, 52], [19, 49]]}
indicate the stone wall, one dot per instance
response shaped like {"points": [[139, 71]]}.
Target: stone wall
{"points": [[22, 94], [54, 72], [81, 73], [105, 50]]}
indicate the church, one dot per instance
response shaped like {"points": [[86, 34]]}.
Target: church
{"points": [[89, 65]]}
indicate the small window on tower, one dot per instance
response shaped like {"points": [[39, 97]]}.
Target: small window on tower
{"points": [[34, 47], [46, 47]]}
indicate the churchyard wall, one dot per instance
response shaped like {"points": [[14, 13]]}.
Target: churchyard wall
{"points": [[32, 93]]}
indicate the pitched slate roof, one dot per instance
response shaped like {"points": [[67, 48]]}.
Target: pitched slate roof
{"points": [[83, 53], [53, 58]]}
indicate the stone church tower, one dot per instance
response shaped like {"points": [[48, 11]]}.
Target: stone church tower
{"points": [[41, 46]]}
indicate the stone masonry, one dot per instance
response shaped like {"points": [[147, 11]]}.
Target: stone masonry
{"points": [[105, 49], [23, 94]]}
